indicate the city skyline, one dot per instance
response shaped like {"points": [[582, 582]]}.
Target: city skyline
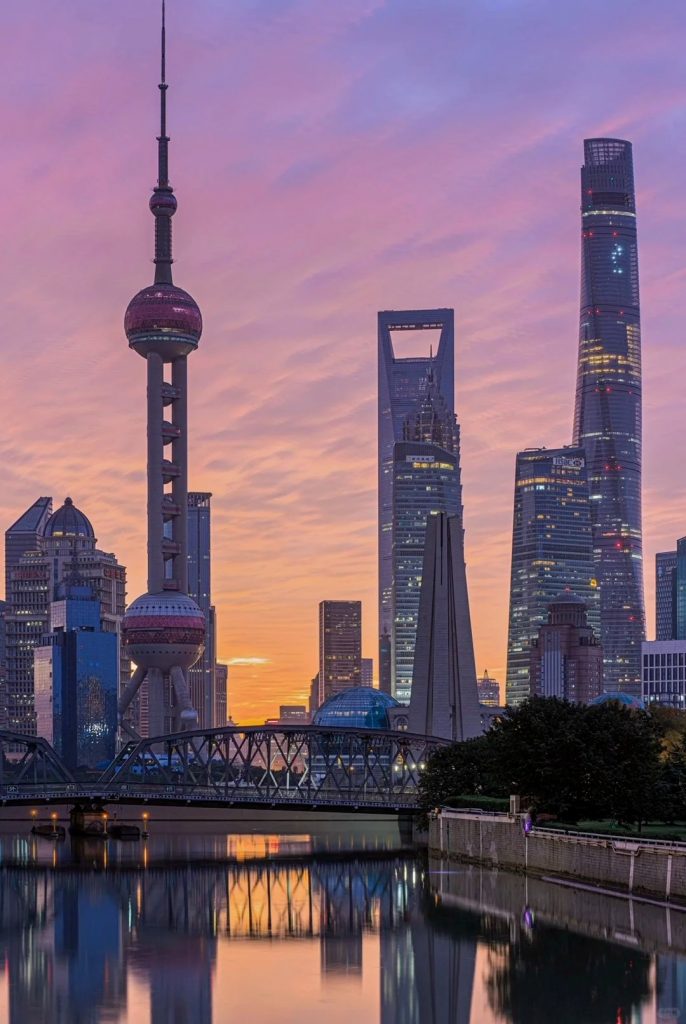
{"points": [[283, 429]]}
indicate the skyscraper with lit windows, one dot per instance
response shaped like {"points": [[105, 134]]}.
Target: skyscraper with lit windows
{"points": [[552, 551], [665, 595], [607, 417], [201, 676], [426, 480], [403, 384]]}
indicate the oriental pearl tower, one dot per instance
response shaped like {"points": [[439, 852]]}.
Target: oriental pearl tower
{"points": [[164, 630]]}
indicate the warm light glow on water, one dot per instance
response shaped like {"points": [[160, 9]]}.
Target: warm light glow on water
{"points": [[335, 925]]}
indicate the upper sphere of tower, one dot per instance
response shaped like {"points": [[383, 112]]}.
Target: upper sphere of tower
{"points": [[165, 319], [163, 203], [68, 521]]}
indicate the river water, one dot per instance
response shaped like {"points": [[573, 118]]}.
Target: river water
{"points": [[301, 925]]}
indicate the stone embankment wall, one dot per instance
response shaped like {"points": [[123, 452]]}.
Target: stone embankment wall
{"points": [[499, 841], [643, 924]]}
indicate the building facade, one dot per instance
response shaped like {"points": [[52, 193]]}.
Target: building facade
{"points": [[552, 551], [426, 480], [76, 680], [489, 690], [201, 676], [680, 589], [221, 694], [402, 383], [340, 647], [23, 535], [663, 673], [607, 417], [367, 676], [665, 595], [444, 699], [566, 658], [66, 545]]}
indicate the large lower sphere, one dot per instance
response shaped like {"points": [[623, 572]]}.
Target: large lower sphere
{"points": [[163, 630]]}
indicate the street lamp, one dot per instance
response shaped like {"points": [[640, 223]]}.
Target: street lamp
{"points": [[53, 818], [145, 817]]}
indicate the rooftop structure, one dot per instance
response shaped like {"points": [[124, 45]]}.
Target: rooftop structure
{"points": [[360, 707]]}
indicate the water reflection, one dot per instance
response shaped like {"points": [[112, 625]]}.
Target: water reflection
{"points": [[94, 934]]}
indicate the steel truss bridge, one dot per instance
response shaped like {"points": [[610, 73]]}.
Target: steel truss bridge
{"points": [[304, 767]]}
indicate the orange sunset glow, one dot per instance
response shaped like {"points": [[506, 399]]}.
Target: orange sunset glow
{"points": [[328, 164]]}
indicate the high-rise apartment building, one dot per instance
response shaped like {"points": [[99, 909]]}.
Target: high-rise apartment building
{"points": [[66, 545], [552, 551], [404, 383], [340, 647], [201, 676], [566, 658], [607, 416], [76, 679], [23, 535], [665, 595]]}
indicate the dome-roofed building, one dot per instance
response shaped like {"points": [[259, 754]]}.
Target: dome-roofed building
{"points": [[626, 699], [69, 521], [360, 707]]}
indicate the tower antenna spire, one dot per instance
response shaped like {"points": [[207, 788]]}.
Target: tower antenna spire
{"points": [[163, 202]]}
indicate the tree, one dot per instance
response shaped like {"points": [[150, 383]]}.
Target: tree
{"points": [[458, 770]]}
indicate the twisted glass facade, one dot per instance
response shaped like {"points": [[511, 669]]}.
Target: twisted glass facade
{"points": [[607, 417], [552, 552]]}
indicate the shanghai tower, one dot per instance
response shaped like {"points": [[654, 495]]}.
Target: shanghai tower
{"points": [[164, 630], [607, 416]]}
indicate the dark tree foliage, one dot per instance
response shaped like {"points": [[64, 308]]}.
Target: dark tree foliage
{"points": [[671, 785], [566, 759], [556, 975]]}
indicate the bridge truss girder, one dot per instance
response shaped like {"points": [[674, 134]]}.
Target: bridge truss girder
{"points": [[29, 760], [275, 764]]}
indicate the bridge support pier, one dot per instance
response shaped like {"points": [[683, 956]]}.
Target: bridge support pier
{"points": [[88, 819]]}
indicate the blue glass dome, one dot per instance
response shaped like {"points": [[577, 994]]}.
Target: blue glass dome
{"points": [[621, 698], [361, 707]]}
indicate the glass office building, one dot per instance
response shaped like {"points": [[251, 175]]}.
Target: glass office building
{"points": [[340, 647], [607, 418], [202, 675], [552, 552], [76, 674], [403, 382], [426, 480], [665, 595]]}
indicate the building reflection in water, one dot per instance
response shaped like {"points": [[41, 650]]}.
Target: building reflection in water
{"points": [[455, 944]]}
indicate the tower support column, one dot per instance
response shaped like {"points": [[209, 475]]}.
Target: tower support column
{"points": [[155, 480]]}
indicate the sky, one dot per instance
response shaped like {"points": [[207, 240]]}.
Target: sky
{"points": [[330, 160]]}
